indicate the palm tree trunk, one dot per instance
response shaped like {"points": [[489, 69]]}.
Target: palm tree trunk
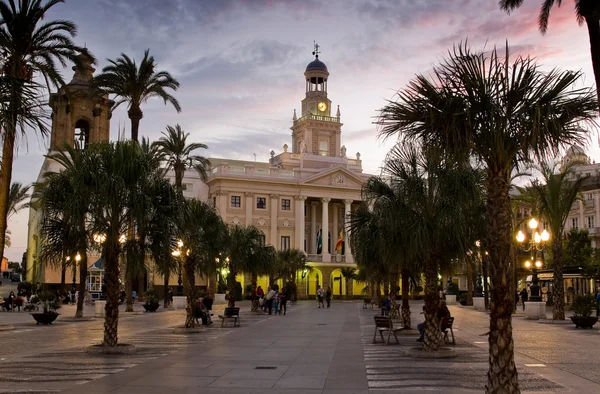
{"points": [[405, 314], [63, 275], [231, 288], [189, 288], [558, 296], [432, 339], [83, 265], [111, 280], [469, 283], [166, 288], [348, 288], [212, 285], [135, 115], [593, 26], [377, 293], [253, 296], [502, 373], [393, 295], [8, 150], [486, 272], [128, 288]]}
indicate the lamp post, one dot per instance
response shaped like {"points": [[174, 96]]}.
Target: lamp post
{"points": [[77, 259], [537, 243]]}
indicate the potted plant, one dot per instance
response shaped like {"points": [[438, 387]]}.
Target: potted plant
{"points": [[151, 304], [49, 304], [583, 307]]}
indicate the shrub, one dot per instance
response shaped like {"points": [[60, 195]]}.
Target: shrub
{"points": [[584, 305], [151, 297], [49, 302]]}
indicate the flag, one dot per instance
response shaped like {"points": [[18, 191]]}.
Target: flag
{"points": [[319, 241], [340, 242]]}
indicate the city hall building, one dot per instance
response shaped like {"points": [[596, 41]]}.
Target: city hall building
{"points": [[300, 198]]}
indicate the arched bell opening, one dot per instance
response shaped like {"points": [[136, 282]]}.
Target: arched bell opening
{"points": [[82, 134]]}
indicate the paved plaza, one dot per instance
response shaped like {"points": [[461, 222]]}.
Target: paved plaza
{"points": [[309, 351]]}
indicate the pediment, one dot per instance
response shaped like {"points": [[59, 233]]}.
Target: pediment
{"points": [[336, 177]]}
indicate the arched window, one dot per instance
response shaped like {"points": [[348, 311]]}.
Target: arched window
{"points": [[82, 134]]}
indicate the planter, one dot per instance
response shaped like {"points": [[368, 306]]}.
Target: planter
{"points": [[44, 318], [151, 307], [584, 321]]}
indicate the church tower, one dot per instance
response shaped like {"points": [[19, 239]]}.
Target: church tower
{"points": [[316, 131], [78, 118]]}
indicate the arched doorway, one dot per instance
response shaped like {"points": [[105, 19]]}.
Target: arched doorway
{"points": [[338, 283], [314, 279], [82, 134]]}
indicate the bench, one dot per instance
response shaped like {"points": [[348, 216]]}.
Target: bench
{"points": [[445, 326], [384, 323], [231, 313]]}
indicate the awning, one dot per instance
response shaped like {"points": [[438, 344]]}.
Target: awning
{"points": [[97, 266]]}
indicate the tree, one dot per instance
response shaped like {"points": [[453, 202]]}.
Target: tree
{"points": [[288, 264], [349, 274], [135, 85], [587, 11], [29, 46], [18, 197], [578, 250], [556, 197], [199, 228], [64, 200], [244, 246], [501, 112], [178, 154]]}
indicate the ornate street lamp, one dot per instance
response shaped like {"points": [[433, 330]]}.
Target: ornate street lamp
{"points": [[537, 243]]}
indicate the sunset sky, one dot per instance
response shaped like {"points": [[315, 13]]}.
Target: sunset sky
{"points": [[241, 63]]}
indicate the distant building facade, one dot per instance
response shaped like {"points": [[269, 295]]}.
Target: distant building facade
{"points": [[300, 198]]}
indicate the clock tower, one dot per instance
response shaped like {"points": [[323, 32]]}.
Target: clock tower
{"points": [[316, 131]]}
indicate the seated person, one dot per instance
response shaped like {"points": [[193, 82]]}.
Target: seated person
{"points": [[442, 312], [8, 302]]}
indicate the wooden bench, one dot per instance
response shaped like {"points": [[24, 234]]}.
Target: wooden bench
{"points": [[384, 323], [445, 326], [231, 313]]}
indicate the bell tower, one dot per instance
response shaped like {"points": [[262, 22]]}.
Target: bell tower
{"points": [[316, 131], [78, 118]]}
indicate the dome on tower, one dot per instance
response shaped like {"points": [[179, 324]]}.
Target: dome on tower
{"points": [[316, 65]]}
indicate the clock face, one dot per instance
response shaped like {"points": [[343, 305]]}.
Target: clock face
{"points": [[322, 106]]}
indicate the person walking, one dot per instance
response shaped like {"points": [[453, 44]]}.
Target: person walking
{"points": [[269, 299], [283, 297], [598, 303], [276, 302], [524, 297], [328, 297], [320, 296]]}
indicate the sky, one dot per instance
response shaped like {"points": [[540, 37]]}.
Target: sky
{"points": [[241, 63]]}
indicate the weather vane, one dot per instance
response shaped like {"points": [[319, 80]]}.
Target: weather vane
{"points": [[316, 51]]}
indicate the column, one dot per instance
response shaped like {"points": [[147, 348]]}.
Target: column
{"points": [[302, 223], [348, 250], [274, 206], [222, 204], [249, 206], [582, 223], [334, 231], [298, 229], [597, 206], [325, 227], [313, 227]]}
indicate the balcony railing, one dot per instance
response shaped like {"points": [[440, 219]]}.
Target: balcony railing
{"points": [[317, 258], [250, 171], [322, 118]]}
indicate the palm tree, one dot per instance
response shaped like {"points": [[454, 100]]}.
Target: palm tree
{"points": [[587, 11], [556, 197], [17, 200], [244, 246], [199, 227], [64, 200], [179, 156], [263, 261], [349, 274], [135, 85], [29, 46], [117, 170], [502, 112], [289, 263]]}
